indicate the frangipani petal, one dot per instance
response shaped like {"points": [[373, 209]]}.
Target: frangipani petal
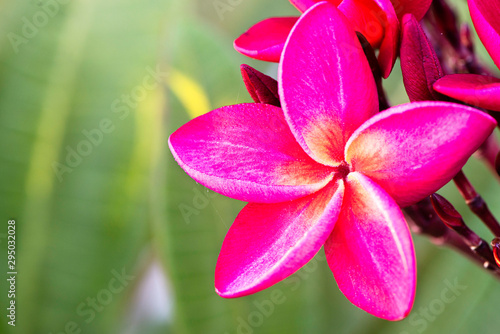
{"points": [[304, 5], [324, 104], [370, 251], [365, 17], [485, 15], [378, 22], [390, 43], [247, 152], [416, 7], [479, 90], [414, 149], [265, 40], [269, 242], [419, 62]]}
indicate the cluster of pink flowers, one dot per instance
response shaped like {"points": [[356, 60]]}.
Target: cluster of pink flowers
{"points": [[320, 157]]}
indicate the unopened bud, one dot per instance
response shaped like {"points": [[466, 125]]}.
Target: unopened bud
{"points": [[419, 62], [262, 88], [450, 216], [446, 211]]}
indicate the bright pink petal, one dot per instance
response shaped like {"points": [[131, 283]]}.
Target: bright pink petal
{"points": [[416, 7], [419, 62], [269, 242], [414, 149], [304, 5], [390, 44], [486, 18], [365, 17], [370, 251], [478, 90], [265, 40], [378, 22], [326, 86], [247, 152]]}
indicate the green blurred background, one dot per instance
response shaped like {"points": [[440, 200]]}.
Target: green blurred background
{"points": [[112, 236]]}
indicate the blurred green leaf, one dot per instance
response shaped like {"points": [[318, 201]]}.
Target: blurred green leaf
{"points": [[57, 89]]}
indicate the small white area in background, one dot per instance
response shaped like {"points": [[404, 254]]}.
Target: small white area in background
{"points": [[152, 303]]}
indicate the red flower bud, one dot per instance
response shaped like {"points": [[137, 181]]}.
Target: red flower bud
{"points": [[419, 62], [262, 88]]}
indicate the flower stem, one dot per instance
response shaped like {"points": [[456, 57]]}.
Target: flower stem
{"points": [[476, 203], [423, 220], [454, 220]]}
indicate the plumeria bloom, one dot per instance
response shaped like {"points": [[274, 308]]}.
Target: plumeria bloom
{"points": [[327, 169], [377, 20], [480, 90]]}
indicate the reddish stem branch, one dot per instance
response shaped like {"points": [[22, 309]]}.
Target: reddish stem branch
{"points": [[423, 220], [450, 216], [476, 203]]}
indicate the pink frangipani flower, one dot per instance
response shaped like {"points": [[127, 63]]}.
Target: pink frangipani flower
{"points": [[377, 20], [327, 169]]}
